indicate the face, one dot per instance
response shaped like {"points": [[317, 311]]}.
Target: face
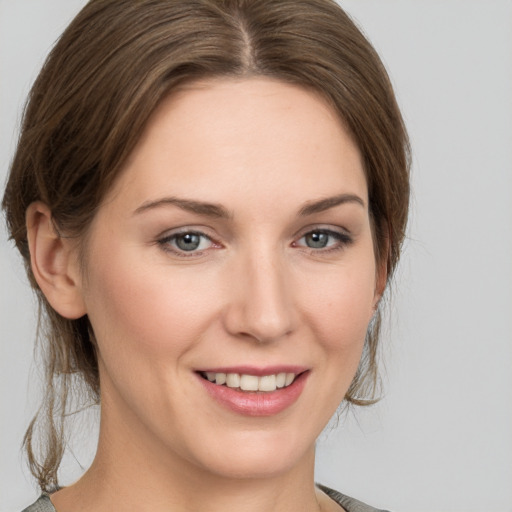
{"points": [[231, 278]]}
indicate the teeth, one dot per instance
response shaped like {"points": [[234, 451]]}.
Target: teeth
{"points": [[232, 380], [280, 380], [251, 382], [289, 379], [267, 383]]}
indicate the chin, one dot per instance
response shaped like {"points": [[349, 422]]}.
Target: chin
{"points": [[257, 457], [254, 468]]}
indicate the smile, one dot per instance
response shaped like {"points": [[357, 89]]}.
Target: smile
{"points": [[246, 382], [253, 391]]}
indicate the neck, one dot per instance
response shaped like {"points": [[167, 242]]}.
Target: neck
{"points": [[130, 473], [132, 485]]}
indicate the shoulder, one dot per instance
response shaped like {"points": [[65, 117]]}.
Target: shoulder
{"points": [[43, 504], [349, 504]]}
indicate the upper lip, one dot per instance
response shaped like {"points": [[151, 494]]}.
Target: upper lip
{"points": [[257, 371]]}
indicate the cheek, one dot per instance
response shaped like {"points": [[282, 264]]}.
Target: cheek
{"points": [[341, 306], [143, 308]]}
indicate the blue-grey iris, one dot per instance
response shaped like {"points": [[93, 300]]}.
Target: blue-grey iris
{"points": [[188, 241], [316, 240]]}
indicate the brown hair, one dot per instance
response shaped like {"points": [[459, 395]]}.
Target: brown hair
{"points": [[106, 75]]}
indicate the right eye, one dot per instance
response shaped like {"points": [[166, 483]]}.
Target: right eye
{"points": [[186, 243]]}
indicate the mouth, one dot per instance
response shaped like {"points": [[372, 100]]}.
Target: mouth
{"points": [[255, 391], [251, 383]]}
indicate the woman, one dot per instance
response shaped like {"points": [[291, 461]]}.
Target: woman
{"points": [[210, 198]]}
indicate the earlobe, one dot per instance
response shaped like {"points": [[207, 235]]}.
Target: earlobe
{"points": [[54, 263]]}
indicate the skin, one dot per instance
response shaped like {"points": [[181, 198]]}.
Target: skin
{"points": [[253, 293]]}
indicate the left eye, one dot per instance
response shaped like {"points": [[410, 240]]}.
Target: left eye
{"points": [[188, 242], [321, 239]]}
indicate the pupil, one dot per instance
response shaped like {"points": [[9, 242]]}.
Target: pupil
{"points": [[317, 240], [188, 242]]}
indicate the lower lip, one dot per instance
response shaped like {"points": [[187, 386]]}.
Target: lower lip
{"points": [[259, 403]]}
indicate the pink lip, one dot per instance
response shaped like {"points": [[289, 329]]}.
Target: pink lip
{"points": [[256, 370], [257, 403]]}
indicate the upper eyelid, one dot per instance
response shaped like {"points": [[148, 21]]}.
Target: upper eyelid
{"points": [[169, 233], [331, 232], [327, 228]]}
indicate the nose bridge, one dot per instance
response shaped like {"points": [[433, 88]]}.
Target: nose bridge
{"points": [[261, 305]]}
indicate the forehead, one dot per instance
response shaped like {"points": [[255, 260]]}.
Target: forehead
{"points": [[245, 139]]}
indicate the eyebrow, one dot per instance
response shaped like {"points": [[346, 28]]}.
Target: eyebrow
{"points": [[330, 202], [189, 205], [219, 211]]}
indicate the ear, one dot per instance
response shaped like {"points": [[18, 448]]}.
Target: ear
{"points": [[54, 263]]}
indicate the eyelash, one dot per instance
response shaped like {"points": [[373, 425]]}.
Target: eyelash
{"points": [[167, 243], [342, 240]]}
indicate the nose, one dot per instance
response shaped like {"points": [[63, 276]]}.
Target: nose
{"points": [[260, 304]]}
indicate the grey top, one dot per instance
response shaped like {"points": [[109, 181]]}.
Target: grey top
{"points": [[43, 504], [349, 504]]}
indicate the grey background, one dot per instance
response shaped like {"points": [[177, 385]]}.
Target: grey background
{"points": [[441, 440]]}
